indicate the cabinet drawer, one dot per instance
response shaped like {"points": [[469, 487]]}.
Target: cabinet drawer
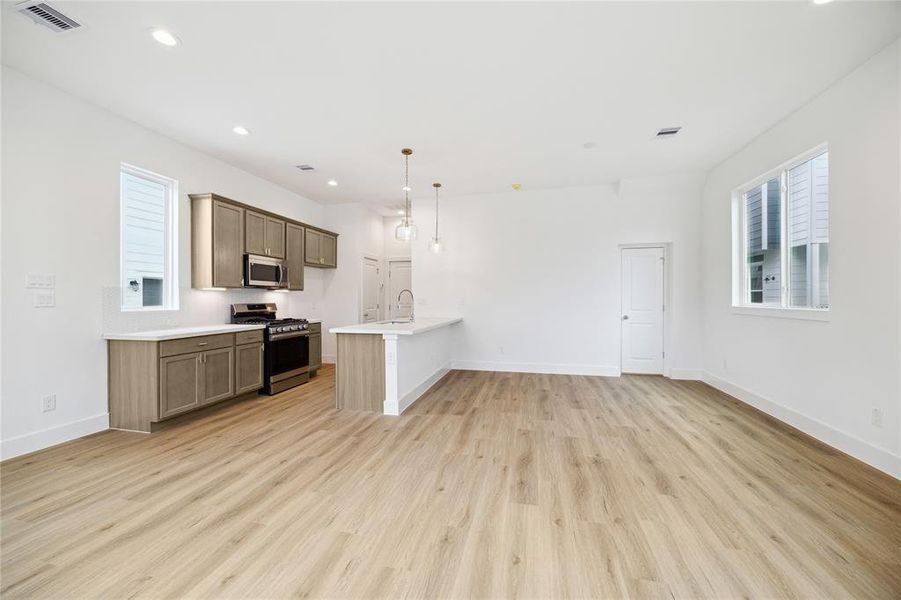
{"points": [[315, 327], [248, 337], [196, 344]]}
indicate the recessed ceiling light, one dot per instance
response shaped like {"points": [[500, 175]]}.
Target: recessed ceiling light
{"points": [[822, 1], [164, 37], [240, 130], [332, 182]]}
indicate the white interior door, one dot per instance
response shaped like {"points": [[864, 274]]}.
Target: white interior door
{"points": [[370, 293], [642, 305], [400, 277]]}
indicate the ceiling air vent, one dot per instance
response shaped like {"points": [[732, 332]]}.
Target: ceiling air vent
{"points": [[668, 131], [306, 168], [43, 13]]}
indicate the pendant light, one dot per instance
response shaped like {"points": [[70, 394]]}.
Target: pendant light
{"points": [[406, 231], [436, 245]]}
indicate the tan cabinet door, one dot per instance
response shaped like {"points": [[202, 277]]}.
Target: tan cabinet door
{"points": [[275, 237], [294, 249], [228, 245], [328, 249], [315, 351], [254, 233], [218, 375], [311, 247], [248, 367], [180, 383]]}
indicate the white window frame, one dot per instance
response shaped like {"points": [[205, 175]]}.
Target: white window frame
{"points": [[740, 305], [170, 243]]}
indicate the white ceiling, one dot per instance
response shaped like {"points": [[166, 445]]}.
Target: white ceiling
{"points": [[486, 94]]}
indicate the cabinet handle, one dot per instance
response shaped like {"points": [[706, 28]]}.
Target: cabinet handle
{"points": [[202, 343]]}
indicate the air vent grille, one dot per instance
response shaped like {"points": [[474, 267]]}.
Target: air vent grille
{"points": [[43, 13], [668, 131], [306, 168]]}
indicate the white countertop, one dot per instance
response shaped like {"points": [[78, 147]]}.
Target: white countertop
{"points": [[180, 332], [421, 325]]}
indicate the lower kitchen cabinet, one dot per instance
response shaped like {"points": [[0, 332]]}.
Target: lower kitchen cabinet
{"points": [[151, 381], [248, 367], [180, 383], [218, 375], [315, 346]]}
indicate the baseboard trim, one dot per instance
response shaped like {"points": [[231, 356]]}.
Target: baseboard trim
{"points": [[849, 444], [689, 374], [544, 368], [407, 400], [329, 359], [45, 438]]}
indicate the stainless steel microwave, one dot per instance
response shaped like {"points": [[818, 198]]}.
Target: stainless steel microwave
{"points": [[265, 272]]}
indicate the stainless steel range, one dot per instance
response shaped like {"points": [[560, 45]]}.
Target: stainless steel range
{"points": [[286, 342]]}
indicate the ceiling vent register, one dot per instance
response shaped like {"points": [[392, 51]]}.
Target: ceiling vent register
{"points": [[668, 131], [43, 13]]}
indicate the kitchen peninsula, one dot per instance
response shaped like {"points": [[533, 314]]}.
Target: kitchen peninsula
{"points": [[386, 366]]}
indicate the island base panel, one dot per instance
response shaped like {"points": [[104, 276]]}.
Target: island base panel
{"points": [[361, 372]]}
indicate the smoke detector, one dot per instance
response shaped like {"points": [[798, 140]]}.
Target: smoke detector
{"points": [[46, 15]]}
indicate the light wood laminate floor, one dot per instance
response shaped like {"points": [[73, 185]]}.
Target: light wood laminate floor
{"points": [[494, 485]]}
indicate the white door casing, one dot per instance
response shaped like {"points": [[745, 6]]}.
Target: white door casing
{"points": [[642, 310], [370, 293], [399, 278]]}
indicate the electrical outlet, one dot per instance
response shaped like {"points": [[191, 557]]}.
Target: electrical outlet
{"points": [[876, 417], [48, 403]]}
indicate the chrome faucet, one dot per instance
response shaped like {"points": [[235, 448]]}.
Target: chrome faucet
{"points": [[412, 301]]}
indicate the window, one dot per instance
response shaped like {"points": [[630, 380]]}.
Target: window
{"points": [[781, 236], [148, 251]]}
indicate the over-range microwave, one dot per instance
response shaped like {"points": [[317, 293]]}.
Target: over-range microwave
{"points": [[265, 272]]}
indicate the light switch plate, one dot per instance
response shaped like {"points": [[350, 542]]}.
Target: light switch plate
{"points": [[44, 299], [40, 281]]}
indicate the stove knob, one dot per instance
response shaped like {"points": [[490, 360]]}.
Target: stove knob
{"points": [[279, 329]]}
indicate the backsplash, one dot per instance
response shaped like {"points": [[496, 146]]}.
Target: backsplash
{"points": [[199, 307]]}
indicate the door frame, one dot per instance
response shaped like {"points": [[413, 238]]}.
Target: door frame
{"points": [[667, 278], [386, 287], [378, 261]]}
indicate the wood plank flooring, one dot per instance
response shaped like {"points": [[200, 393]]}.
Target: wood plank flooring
{"points": [[493, 485]]}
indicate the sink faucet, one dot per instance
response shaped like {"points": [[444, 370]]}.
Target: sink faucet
{"points": [[412, 301]]}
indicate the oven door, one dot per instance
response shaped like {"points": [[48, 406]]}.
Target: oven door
{"points": [[262, 271], [287, 355]]}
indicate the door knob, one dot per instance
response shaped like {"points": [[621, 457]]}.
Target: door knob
{"points": [[625, 317]]}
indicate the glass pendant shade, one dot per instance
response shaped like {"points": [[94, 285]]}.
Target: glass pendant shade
{"points": [[436, 246], [406, 231]]}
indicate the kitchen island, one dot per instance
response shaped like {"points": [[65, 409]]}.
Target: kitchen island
{"points": [[386, 366]]}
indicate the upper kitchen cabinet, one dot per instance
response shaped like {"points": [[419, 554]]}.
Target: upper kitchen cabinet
{"points": [[264, 235], [321, 249], [217, 230], [294, 251], [224, 230]]}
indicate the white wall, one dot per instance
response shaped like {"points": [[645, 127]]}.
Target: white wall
{"points": [[361, 233], [60, 194], [822, 377], [536, 274]]}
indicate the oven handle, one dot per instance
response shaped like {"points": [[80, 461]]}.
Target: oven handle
{"points": [[285, 336]]}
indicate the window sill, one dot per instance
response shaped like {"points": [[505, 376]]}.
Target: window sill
{"points": [[149, 309], [803, 314]]}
